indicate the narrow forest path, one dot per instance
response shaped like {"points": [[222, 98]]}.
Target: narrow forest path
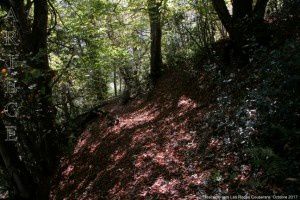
{"points": [[152, 152]]}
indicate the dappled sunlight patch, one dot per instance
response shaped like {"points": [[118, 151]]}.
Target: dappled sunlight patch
{"points": [[140, 160], [244, 173], [185, 136], [196, 179], [138, 119], [150, 145], [170, 120], [162, 186], [68, 171], [141, 136], [141, 176], [168, 158], [115, 129], [215, 144], [186, 103], [93, 147], [82, 142], [160, 159], [118, 155]]}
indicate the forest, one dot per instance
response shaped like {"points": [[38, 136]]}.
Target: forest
{"points": [[149, 99]]}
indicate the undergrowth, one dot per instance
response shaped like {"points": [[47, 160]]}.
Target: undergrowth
{"points": [[256, 118]]}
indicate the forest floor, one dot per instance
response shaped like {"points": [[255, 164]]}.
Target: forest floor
{"points": [[153, 152]]}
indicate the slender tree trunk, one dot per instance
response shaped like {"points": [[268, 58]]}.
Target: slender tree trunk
{"points": [[126, 74], [120, 84], [66, 103], [135, 72], [115, 81], [156, 34]]}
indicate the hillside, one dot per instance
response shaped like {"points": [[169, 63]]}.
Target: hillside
{"points": [[191, 137], [195, 135], [151, 152]]}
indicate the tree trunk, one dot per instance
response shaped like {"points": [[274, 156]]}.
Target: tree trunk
{"points": [[260, 9], [135, 72], [245, 23], [241, 9], [127, 77], [120, 84], [18, 173], [224, 15], [115, 81], [244, 18], [33, 43], [21, 190], [156, 34], [23, 183]]}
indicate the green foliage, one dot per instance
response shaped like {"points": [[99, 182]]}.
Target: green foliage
{"points": [[102, 38], [216, 176], [258, 108], [264, 158], [191, 28]]}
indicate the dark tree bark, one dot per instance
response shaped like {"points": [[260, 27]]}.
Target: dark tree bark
{"points": [[246, 22], [156, 34], [24, 187], [136, 62], [126, 73], [241, 9], [22, 182], [120, 84], [33, 49], [224, 15], [12, 165], [39, 49], [260, 9], [115, 81], [244, 18]]}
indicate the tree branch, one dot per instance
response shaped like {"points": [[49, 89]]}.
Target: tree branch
{"points": [[223, 13]]}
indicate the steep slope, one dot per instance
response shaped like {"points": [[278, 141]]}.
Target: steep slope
{"points": [[152, 152], [202, 134]]}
